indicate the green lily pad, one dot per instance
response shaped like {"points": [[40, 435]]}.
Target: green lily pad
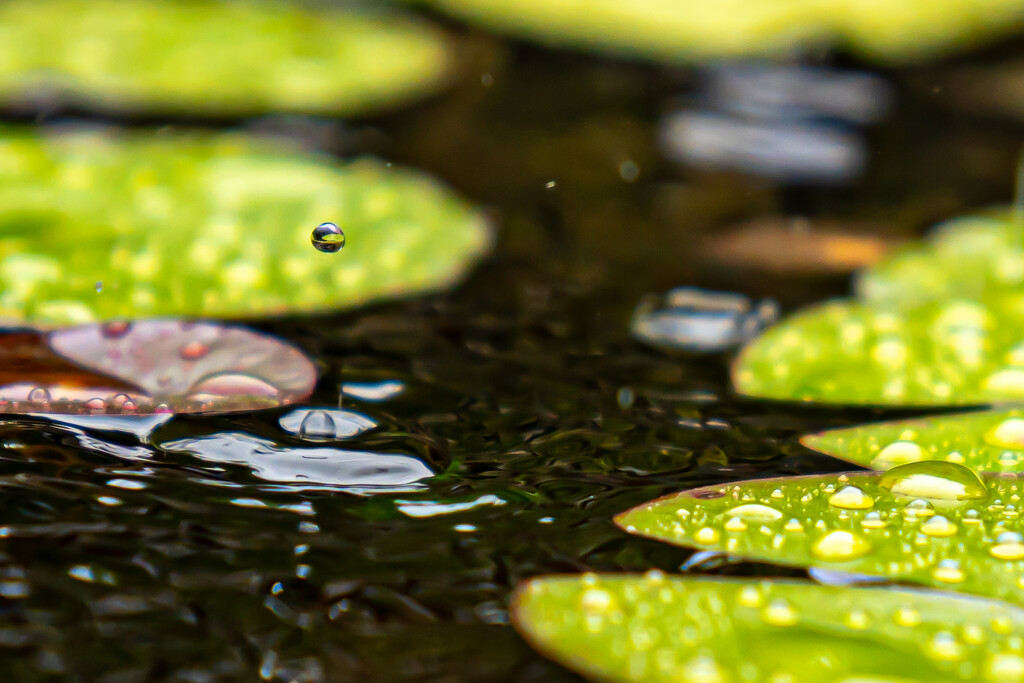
{"points": [[955, 352], [215, 57], [987, 441], [683, 630], [976, 258], [97, 226], [932, 523], [684, 31]]}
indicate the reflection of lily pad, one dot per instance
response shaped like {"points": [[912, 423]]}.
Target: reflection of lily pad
{"points": [[932, 523], [216, 57], [682, 630], [155, 366], [95, 226], [988, 441], [976, 258], [944, 353], [681, 30], [309, 468]]}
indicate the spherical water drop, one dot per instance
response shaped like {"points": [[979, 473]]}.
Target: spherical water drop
{"points": [[939, 527], [39, 395], [1007, 434], [194, 350], [857, 619], [840, 546], [907, 616], [1008, 667], [851, 498], [934, 480], [328, 238], [946, 647], [897, 453], [948, 571], [115, 329], [318, 424], [754, 512], [779, 613], [706, 536], [1009, 545], [596, 600]]}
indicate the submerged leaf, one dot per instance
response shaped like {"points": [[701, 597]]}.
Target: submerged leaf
{"points": [[954, 352], [682, 31], [685, 630], [154, 366], [224, 58], [987, 441], [95, 226], [933, 523]]}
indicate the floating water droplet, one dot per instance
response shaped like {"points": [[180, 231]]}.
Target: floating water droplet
{"points": [[318, 424], [194, 350], [779, 613], [897, 453], [754, 512], [934, 480], [99, 287], [938, 526], [328, 238], [1009, 545], [550, 185], [840, 546], [39, 395], [851, 498], [1007, 434]]}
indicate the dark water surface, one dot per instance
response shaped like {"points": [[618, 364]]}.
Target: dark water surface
{"points": [[517, 388]]}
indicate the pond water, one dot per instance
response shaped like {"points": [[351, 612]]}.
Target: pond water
{"points": [[127, 559]]}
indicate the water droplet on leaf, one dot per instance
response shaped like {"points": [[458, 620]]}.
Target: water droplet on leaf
{"points": [[934, 480]]}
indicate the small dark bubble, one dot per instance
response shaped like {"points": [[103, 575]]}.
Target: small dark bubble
{"points": [[328, 238]]}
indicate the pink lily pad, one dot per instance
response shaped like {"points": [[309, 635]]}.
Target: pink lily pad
{"points": [[149, 367]]}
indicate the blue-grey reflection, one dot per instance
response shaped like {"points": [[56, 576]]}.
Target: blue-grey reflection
{"points": [[356, 471], [139, 426]]}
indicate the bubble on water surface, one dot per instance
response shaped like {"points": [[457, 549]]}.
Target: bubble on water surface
{"points": [[325, 423], [328, 238]]}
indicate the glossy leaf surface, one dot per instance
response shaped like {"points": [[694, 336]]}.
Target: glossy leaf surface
{"points": [[986, 441], [685, 630], [680, 31], [932, 523], [954, 352], [219, 58], [96, 225]]}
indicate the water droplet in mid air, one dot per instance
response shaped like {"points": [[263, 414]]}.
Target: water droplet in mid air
{"points": [[328, 238]]}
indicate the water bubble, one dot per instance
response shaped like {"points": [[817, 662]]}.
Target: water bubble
{"points": [[328, 238], [873, 520], [1007, 434], [938, 526], [706, 536], [948, 571], [194, 350], [39, 395], [754, 512], [1009, 545], [851, 498], [735, 524], [840, 546], [99, 287], [897, 453], [749, 596], [907, 616], [779, 613], [318, 424], [115, 329], [945, 646], [793, 526], [934, 480], [96, 405]]}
